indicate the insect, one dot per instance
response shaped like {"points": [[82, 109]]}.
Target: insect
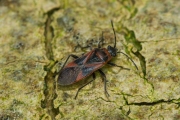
{"points": [[88, 64]]}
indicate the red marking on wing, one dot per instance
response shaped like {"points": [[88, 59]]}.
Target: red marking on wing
{"points": [[88, 55], [80, 77], [71, 64]]}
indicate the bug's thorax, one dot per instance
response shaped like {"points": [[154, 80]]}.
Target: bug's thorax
{"points": [[97, 55]]}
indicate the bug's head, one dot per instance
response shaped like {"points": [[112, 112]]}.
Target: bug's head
{"points": [[112, 50]]}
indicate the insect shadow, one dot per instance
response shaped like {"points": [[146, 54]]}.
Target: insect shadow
{"points": [[89, 63]]}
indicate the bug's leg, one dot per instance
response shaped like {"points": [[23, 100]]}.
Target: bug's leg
{"points": [[71, 55], [129, 59], [80, 46], [105, 81], [94, 77], [113, 64], [101, 41]]}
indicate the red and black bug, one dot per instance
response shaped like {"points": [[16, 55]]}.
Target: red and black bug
{"points": [[88, 64]]}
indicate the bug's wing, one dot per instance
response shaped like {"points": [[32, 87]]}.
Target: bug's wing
{"points": [[68, 75], [87, 70]]}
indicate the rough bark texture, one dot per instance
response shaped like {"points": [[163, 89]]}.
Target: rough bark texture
{"points": [[34, 35]]}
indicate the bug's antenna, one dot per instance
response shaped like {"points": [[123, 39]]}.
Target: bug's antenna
{"points": [[130, 59], [114, 34]]}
